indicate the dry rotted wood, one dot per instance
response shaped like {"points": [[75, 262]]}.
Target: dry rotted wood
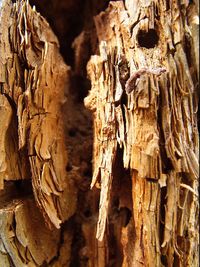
{"points": [[154, 126], [142, 209], [21, 242], [33, 80]]}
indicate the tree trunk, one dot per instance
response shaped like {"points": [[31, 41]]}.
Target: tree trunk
{"points": [[137, 203]]}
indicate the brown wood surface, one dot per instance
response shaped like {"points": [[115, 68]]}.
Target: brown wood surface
{"points": [[106, 177]]}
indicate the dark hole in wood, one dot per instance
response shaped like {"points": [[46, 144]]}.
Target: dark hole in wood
{"points": [[164, 260], [69, 167], [87, 213], [72, 132], [128, 214], [88, 172], [147, 39]]}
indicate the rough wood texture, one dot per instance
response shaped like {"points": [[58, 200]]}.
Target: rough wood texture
{"points": [[21, 243], [33, 80], [140, 205], [155, 126], [25, 240]]}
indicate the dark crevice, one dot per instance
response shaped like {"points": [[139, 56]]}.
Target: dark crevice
{"points": [[188, 49], [24, 186], [127, 215], [69, 19], [151, 180], [77, 243], [80, 85], [120, 213], [72, 132], [66, 20], [11, 262], [22, 154], [69, 167], [148, 39], [166, 162], [163, 202], [13, 190], [13, 148], [167, 5], [67, 226], [164, 260], [12, 104]]}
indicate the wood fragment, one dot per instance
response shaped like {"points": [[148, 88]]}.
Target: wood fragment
{"points": [[154, 124], [35, 85]]}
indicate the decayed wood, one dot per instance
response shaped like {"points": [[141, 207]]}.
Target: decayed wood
{"points": [[155, 126], [33, 77], [25, 240], [21, 242], [144, 78], [33, 83]]}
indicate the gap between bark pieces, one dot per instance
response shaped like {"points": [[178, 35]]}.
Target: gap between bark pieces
{"points": [[131, 82]]}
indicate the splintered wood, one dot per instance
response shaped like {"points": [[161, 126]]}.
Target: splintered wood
{"points": [[33, 77], [154, 125], [20, 237]]}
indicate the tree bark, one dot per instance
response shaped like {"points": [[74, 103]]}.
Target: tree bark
{"points": [[139, 207]]}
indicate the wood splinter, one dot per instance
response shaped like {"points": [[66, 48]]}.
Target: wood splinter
{"points": [[131, 82]]}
